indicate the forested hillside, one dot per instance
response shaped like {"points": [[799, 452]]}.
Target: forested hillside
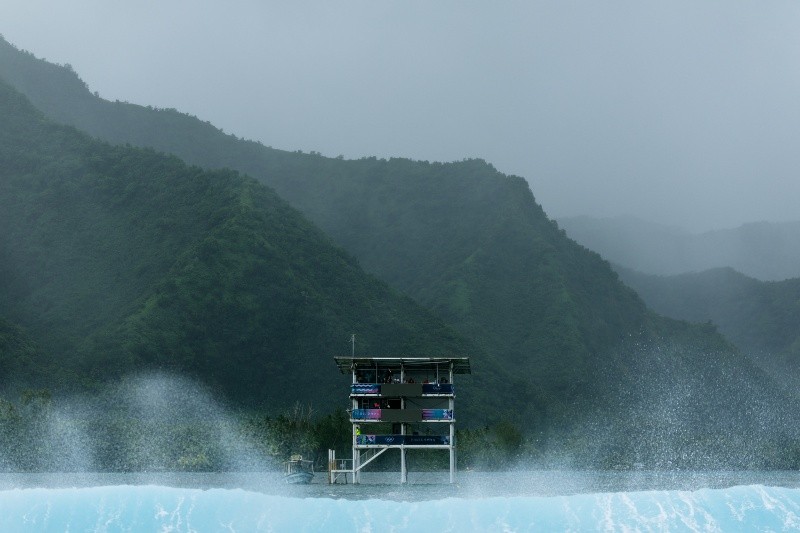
{"points": [[562, 347], [460, 238], [761, 318], [118, 259]]}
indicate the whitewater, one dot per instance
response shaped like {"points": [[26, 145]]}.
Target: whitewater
{"points": [[386, 507]]}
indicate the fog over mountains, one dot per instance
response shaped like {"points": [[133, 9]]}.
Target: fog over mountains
{"points": [[769, 251], [681, 112], [245, 281], [745, 281]]}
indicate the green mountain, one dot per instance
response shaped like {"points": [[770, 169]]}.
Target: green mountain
{"points": [[761, 318], [460, 238], [564, 348], [768, 251], [118, 259]]}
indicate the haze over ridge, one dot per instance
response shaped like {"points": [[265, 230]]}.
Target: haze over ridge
{"points": [[580, 297], [768, 251], [681, 113]]}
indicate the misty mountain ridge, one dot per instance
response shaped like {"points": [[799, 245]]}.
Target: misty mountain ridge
{"points": [[118, 260], [461, 238], [239, 289], [768, 251], [761, 317]]}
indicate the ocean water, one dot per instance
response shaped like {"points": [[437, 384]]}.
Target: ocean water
{"points": [[516, 501]]}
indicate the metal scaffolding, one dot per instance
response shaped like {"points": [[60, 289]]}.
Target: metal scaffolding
{"points": [[402, 403]]}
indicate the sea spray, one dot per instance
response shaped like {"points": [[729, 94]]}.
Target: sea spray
{"points": [[144, 423], [669, 411], [169, 408]]}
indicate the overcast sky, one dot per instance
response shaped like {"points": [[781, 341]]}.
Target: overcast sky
{"points": [[685, 112]]}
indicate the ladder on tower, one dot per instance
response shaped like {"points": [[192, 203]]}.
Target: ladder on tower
{"points": [[337, 469]]}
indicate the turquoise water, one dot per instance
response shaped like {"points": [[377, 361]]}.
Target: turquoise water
{"points": [[525, 501]]}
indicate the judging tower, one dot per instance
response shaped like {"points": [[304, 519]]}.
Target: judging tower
{"points": [[402, 403]]}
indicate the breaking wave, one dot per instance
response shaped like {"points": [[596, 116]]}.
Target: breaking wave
{"points": [[158, 508]]}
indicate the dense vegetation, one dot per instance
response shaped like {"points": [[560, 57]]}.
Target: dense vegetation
{"points": [[121, 259], [461, 238], [761, 318], [18, 353]]}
